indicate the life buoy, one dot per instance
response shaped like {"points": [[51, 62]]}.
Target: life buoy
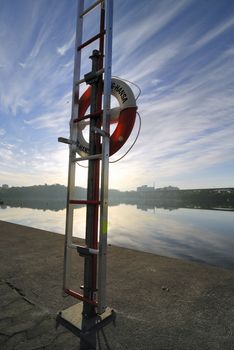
{"points": [[124, 116]]}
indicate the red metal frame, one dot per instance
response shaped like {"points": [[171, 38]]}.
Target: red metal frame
{"points": [[80, 297], [81, 201], [95, 37]]}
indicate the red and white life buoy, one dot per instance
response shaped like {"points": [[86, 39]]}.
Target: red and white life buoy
{"points": [[124, 116]]}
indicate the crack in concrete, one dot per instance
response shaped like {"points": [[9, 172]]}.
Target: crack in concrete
{"points": [[20, 292], [42, 316], [9, 336]]}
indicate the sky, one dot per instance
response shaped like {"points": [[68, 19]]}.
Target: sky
{"points": [[179, 52]]}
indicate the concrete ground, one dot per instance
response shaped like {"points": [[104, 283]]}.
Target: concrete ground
{"points": [[161, 303]]}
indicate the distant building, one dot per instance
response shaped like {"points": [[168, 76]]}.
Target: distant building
{"points": [[145, 188], [222, 190], [170, 188], [5, 186]]}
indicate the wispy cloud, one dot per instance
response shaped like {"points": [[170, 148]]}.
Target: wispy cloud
{"points": [[40, 73], [62, 50], [187, 123], [2, 132], [215, 32], [187, 89], [135, 34]]}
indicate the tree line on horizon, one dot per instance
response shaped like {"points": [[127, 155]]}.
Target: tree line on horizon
{"points": [[176, 197]]}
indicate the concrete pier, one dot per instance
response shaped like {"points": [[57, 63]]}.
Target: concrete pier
{"points": [[161, 303]]}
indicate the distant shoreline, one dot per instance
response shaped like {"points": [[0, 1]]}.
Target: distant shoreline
{"points": [[54, 196], [56, 205]]}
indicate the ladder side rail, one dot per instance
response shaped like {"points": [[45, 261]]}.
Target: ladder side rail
{"points": [[105, 160], [72, 149]]}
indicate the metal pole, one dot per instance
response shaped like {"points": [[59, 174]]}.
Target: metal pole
{"points": [[90, 264], [105, 161]]}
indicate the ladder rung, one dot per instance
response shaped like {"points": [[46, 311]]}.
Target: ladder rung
{"points": [[95, 37], [80, 296], [82, 201], [90, 8], [91, 115], [92, 157]]}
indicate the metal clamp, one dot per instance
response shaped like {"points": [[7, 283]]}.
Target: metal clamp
{"points": [[84, 251], [100, 132], [92, 77], [67, 141]]}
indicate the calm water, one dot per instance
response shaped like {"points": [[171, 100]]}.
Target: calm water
{"points": [[191, 234]]}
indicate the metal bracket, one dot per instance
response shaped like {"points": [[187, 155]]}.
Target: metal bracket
{"points": [[71, 318], [100, 132], [92, 157], [84, 80], [92, 77], [85, 251], [67, 141]]}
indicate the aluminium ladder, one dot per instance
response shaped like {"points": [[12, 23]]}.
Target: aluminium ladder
{"points": [[94, 253]]}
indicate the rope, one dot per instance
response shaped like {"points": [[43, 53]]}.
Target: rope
{"points": [[130, 82], [82, 166]]}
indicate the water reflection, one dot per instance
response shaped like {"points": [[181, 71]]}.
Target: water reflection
{"points": [[36, 204], [142, 204], [200, 235], [191, 234]]}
